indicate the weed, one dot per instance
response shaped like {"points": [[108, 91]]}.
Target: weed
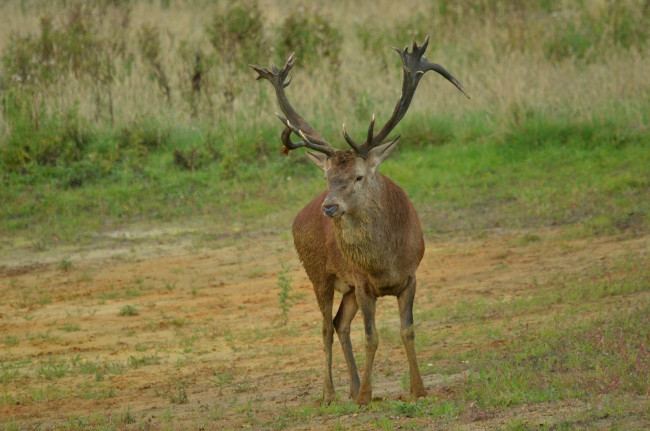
{"points": [[407, 409], [128, 310], [311, 36], [65, 265], [237, 33], [221, 379], [149, 44], [47, 336], [285, 299], [168, 416], [127, 417], [13, 425], [404, 381], [137, 362], [10, 340], [180, 395], [53, 369], [78, 312], [95, 391], [384, 424], [8, 374], [70, 327]]}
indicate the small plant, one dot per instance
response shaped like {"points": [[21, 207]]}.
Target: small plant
{"points": [[129, 310], [10, 340], [311, 36], [135, 362], [149, 44], [65, 265], [284, 295], [70, 327], [408, 409], [237, 33], [180, 397], [126, 417], [53, 369], [12, 426], [221, 379]]}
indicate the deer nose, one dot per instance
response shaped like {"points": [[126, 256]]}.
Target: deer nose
{"points": [[330, 210]]}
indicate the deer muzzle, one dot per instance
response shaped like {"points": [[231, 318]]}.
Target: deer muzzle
{"points": [[330, 210]]}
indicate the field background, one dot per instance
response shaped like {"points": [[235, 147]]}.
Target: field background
{"points": [[147, 275]]}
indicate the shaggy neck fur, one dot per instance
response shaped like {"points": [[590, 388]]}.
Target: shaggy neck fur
{"points": [[366, 237]]}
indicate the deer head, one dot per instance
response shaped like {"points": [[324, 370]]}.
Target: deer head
{"points": [[351, 174]]}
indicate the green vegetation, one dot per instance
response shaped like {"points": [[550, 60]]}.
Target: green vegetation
{"points": [[608, 356], [128, 310], [113, 114], [285, 299]]}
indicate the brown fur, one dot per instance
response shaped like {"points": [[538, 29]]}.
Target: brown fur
{"points": [[373, 249]]}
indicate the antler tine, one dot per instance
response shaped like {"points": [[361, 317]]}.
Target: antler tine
{"points": [[441, 70], [294, 122], [415, 65], [371, 127], [308, 141], [287, 144], [349, 140]]}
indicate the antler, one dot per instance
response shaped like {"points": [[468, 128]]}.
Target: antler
{"points": [[415, 66], [293, 122]]}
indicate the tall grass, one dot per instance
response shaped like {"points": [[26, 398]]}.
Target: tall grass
{"points": [[129, 108]]}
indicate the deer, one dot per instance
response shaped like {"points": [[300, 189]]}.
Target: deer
{"points": [[362, 235]]}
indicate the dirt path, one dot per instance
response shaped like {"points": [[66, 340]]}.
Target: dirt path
{"points": [[174, 336]]}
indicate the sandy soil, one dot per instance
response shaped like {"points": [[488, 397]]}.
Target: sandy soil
{"points": [[209, 348]]}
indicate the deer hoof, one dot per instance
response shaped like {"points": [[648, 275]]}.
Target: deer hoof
{"points": [[328, 398], [364, 397], [418, 393]]}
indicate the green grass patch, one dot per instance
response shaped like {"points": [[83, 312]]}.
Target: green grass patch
{"points": [[589, 177], [128, 310], [577, 360], [544, 172]]}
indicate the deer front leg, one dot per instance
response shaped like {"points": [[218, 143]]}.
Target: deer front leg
{"points": [[367, 305], [347, 311], [325, 300], [405, 303]]}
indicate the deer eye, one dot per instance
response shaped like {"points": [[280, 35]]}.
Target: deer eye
{"points": [[359, 178]]}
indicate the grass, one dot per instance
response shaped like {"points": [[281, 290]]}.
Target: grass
{"points": [[284, 295], [597, 187], [608, 356], [604, 360], [128, 310], [574, 342], [95, 156]]}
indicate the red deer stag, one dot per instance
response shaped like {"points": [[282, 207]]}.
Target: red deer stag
{"points": [[361, 236]]}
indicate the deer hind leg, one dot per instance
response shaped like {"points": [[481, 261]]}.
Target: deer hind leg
{"points": [[367, 305], [405, 303], [325, 299], [347, 311]]}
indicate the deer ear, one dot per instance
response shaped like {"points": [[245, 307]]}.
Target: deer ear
{"points": [[378, 154], [318, 159]]}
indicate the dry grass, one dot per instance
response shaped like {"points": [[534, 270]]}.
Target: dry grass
{"points": [[500, 54]]}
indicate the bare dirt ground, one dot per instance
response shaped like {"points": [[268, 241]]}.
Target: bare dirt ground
{"points": [[208, 347]]}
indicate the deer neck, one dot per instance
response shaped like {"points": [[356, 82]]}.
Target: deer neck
{"points": [[365, 238]]}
